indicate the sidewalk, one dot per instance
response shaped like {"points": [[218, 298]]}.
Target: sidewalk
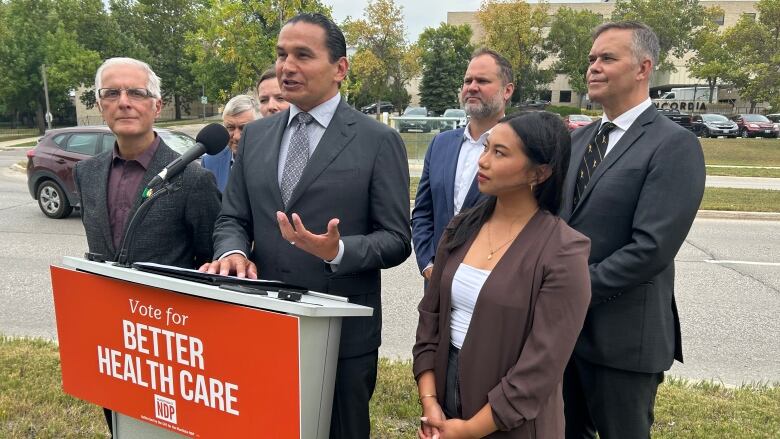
{"points": [[9, 143]]}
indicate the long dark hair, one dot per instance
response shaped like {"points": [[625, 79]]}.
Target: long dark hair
{"points": [[546, 141]]}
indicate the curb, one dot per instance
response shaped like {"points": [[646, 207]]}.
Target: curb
{"points": [[738, 215]]}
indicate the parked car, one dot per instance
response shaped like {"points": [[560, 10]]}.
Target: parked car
{"points": [[714, 125], [754, 125], [682, 119], [408, 122], [384, 107], [452, 124], [574, 121], [775, 118], [537, 104], [50, 163]]}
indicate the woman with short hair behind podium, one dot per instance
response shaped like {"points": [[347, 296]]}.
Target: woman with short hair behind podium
{"points": [[507, 297]]}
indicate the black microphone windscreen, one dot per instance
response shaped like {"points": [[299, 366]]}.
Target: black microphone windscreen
{"points": [[214, 137]]}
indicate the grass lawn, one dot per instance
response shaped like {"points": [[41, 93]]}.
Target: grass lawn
{"points": [[745, 200], [741, 152], [32, 403]]}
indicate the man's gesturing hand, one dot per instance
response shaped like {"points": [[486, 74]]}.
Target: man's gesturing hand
{"points": [[325, 246]]}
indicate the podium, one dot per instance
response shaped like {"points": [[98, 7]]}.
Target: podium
{"points": [[175, 358]]}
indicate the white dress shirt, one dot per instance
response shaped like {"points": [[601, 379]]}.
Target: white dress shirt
{"points": [[623, 123], [466, 171]]}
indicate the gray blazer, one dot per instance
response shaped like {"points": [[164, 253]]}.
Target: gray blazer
{"points": [[359, 174], [637, 210], [177, 228]]}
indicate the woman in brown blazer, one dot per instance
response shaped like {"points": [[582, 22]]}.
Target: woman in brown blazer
{"points": [[507, 297]]}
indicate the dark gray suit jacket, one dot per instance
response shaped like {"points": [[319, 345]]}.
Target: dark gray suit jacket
{"points": [[357, 173], [177, 227], [637, 210]]}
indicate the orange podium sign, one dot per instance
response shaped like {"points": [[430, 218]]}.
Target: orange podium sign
{"points": [[195, 366]]}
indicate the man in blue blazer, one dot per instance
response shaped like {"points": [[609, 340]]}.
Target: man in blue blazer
{"points": [[448, 183], [239, 111]]}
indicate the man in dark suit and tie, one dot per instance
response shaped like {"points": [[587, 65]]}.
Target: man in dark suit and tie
{"points": [[448, 184], [341, 173], [176, 229], [634, 185]]}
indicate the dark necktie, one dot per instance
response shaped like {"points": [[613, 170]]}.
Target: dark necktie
{"points": [[297, 157], [594, 154]]}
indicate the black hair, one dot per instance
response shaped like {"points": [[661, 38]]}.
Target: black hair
{"points": [[334, 38], [546, 141]]}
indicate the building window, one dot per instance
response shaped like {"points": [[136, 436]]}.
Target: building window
{"points": [[545, 95], [565, 96], [750, 16], [720, 19]]}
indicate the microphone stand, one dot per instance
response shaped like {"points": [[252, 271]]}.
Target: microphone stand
{"points": [[123, 257]]}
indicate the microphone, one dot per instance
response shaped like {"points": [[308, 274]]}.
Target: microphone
{"points": [[211, 140]]}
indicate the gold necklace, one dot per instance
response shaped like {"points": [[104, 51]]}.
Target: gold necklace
{"points": [[490, 242]]}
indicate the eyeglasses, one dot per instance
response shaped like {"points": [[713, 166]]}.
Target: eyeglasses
{"points": [[136, 94]]}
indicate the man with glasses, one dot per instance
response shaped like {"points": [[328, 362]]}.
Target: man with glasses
{"points": [[239, 111], [111, 185]]}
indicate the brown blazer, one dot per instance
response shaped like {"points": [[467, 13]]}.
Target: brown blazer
{"points": [[523, 330]]}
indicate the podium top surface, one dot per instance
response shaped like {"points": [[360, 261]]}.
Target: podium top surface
{"points": [[312, 304]]}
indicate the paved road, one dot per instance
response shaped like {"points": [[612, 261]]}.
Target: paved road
{"points": [[744, 182], [728, 287]]}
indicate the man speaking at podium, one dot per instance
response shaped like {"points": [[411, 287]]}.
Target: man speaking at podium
{"points": [[345, 176]]}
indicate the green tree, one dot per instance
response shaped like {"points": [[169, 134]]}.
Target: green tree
{"points": [[381, 65], [515, 30], [445, 56], [235, 41], [33, 36], [756, 56], [711, 60], [570, 39], [161, 26], [674, 21]]}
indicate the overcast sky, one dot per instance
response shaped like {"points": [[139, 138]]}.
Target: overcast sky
{"points": [[418, 14]]}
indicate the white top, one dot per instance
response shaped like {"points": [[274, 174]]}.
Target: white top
{"points": [[466, 171], [466, 285], [624, 122]]}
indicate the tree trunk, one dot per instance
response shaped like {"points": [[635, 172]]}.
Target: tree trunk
{"points": [[177, 106], [39, 119], [581, 97], [712, 81]]}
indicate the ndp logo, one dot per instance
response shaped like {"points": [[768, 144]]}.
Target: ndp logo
{"points": [[165, 409]]}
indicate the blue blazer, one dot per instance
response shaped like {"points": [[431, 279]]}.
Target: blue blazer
{"points": [[434, 205], [219, 165]]}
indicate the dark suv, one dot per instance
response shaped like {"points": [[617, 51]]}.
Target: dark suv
{"points": [[384, 107], [50, 164], [714, 125], [754, 125], [682, 119]]}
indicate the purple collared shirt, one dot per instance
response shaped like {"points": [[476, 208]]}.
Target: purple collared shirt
{"points": [[124, 180]]}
